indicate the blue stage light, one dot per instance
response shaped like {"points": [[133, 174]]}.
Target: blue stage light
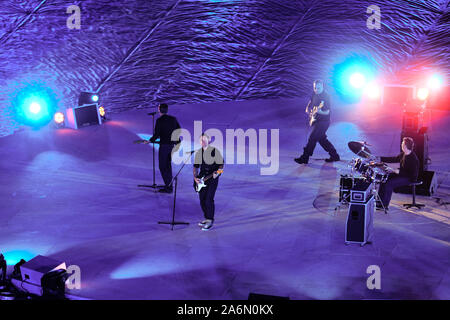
{"points": [[350, 77], [95, 98], [34, 105]]}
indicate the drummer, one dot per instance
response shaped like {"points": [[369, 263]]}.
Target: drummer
{"points": [[408, 172]]}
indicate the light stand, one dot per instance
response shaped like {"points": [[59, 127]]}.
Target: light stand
{"points": [[175, 178]]}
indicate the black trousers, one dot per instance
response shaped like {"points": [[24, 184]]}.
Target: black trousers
{"points": [[387, 188], [207, 198], [165, 162], [319, 134]]}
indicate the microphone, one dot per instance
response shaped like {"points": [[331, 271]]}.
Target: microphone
{"points": [[191, 152], [152, 113]]}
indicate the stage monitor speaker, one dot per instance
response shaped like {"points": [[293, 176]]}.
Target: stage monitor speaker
{"points": [[427, 188], [36, 268], [83, 116], [420, 146], [257, 296], [359, 226]]}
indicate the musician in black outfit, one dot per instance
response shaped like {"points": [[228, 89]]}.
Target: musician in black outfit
{"points": [[164, 128], [408, 172], [319, 110], [209, 160]]}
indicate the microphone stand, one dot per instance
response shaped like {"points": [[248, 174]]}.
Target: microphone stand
{"points": [[154, 185], [175, 178]]}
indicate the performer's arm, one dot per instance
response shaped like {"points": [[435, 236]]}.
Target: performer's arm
{"points": [[307, 107], [391, 159], [325, 109], [220, 163], [195, 171]]}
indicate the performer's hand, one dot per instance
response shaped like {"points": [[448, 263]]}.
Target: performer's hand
{"points": [[146, 141], [197, 180], [215, 175]]}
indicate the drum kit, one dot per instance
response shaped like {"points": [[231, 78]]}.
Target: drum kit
{"points": [[364, 169], [366, 166]]}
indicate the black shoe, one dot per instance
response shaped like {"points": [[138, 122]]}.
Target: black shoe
{"points": [[166, 190], [333, 158], [301, 160]]}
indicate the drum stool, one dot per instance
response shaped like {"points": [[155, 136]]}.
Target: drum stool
{"points": [[414, 204]]}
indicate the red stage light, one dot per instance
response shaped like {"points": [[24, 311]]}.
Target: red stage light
{"points": [[423, 93]]}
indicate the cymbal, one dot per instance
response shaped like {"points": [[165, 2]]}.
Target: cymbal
{"points": [[360, 149]]}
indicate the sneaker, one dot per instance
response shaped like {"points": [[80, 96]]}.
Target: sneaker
{"points": [[202, 224], [208, 225], [301, 160], [333, 158]]}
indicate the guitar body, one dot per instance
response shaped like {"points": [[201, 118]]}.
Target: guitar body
{"points": [[313, 113], [199, 186]]}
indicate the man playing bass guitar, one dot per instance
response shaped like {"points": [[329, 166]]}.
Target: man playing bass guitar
{"points": [[210, 162], [319, 112]]}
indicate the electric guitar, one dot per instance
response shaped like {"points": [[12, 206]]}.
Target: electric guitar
{"points": [[199, 186], [313, 113]]}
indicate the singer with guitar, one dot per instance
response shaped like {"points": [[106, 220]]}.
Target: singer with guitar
{"points": [[318, 109], [209, 161]]}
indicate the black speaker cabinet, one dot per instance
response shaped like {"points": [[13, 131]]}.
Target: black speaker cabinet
{"points": [[420, 146], [427, 188], [359, 226], [83, 116]]}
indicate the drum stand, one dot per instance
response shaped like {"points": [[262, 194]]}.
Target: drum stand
{"points": [[377, 196], [343, 202]]}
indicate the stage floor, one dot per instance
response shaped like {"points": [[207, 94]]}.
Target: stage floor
{"points": [[73, 195]]}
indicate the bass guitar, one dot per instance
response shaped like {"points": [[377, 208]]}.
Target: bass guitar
{"points": [[313, 113]]}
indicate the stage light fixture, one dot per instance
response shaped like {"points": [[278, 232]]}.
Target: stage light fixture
{"points": [[357, 80], [373, 91], [435, 82], [102, 112], [35, 107], [17, 274], [423, 93], [88, 98], [59, 119], [350, 77], [34, 104]]}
